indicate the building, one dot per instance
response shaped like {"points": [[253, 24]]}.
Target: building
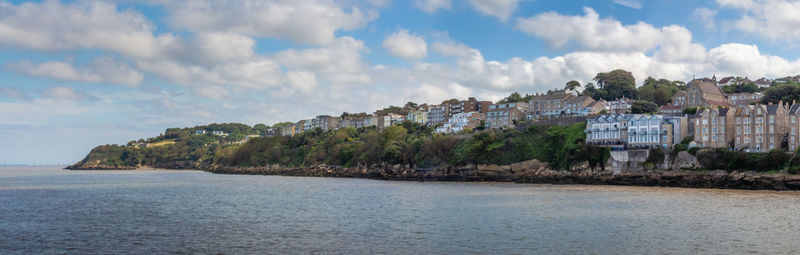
{"points": [[793, 127], [505, 114], [636, 131], [726, 81], [219, 133], [670, 110], [608, 130], [325, 122], [420, 117], [438, 114], [679, 99], [763, 82], [705, 93], [579, 106], [288, 130], [358, 120], [742, 99], [655, 131], [621, 105], [713, 128], [200, 132], [469, 105], [760, 127], [550, 104], [460, 122]]}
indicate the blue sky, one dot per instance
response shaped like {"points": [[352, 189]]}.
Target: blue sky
{"points": [[75, 74]]}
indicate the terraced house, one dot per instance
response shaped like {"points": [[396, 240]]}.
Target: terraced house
{"points": [[713, 128], [550, 104], [655, 131], [760, 127], [608, 130], [793, 126], [505, 115]]}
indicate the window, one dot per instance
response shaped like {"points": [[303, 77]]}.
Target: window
{"points": [[772, 139], [738, 130], [771, 129], [738, 120], [771, 119], [793, 119]]}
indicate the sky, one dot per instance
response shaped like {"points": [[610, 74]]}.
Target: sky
{"points": [[76, 74]]}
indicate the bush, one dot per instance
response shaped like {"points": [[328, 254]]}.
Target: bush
{"points": [[693, 151]]}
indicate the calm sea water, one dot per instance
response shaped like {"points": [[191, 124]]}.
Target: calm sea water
{"points": [[46, 210]]}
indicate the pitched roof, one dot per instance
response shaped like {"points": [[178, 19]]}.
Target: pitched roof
{"points": [[726, 79], [706, 87]]}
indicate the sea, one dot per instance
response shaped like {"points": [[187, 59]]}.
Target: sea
{"points": [[47, 210]]}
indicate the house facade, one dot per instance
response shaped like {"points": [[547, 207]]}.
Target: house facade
{"points": [[760, 128], [550, 104], [438, 114], [504, 115], [460, 122], [714, 128]]}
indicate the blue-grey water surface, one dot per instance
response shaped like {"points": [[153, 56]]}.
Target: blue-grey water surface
{"points": [[46, 210]]}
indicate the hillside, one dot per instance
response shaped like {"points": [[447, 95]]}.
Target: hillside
{"points": [[408, 144]]}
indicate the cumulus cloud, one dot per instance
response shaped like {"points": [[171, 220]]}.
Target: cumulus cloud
{"points": [[778, 20], [338, 63], [52, 25], [590, 32], [431, 6], [302, 80], [501, 9], [310, 22], [407, 46], [258, 73], [100, 70]]}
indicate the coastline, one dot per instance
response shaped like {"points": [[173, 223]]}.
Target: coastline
{"points": [[525, 172]]}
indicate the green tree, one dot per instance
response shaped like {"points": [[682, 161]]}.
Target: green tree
{"points": [[513, 98], [643, 107], [657, 91], [615, 84], [572, 85], [783, 92]]}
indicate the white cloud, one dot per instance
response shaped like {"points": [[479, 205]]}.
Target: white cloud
{"points": [[51, 25], [302, 80], [502, 9], [257, 73], [338, 63], [223, 46], [63, 93], [777, 20], [101, 70], [706, 16], [590, 32], [635, 4], [310, 21], [404, 45], [744, 60], [431, 6]]}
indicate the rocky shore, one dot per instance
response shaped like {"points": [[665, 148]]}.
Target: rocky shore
{"points": [[536, 172], [532, 171]]}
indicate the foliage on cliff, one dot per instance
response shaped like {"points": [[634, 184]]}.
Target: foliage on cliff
{"points": [[174, 145], [409, 143], [415, 145]]}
